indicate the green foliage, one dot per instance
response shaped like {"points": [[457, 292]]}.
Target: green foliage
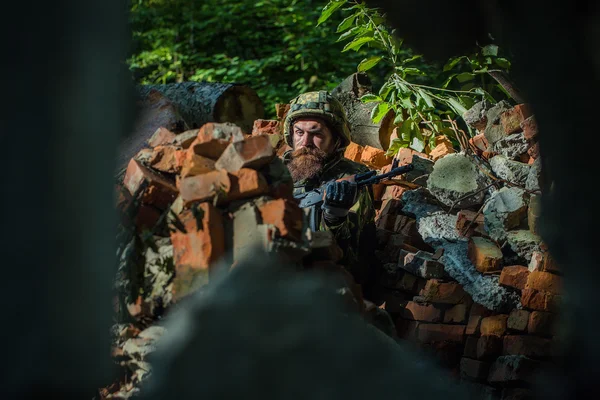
{"points": [[424, 98], [271, 45]]}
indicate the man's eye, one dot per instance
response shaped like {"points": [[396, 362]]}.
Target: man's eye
{"points": [[299, 133]]}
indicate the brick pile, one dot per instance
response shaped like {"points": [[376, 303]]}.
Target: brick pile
{"points": [[465, 273]]}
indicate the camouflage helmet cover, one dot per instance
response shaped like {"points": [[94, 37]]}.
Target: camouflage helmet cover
{"points": [[319, 104]]}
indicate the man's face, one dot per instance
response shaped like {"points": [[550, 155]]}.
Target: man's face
{"points": [[312, 133]]}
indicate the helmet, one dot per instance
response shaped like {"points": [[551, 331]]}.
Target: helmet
{"points": [[318, 104]]}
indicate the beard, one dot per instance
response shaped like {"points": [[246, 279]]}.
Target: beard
{"points": [[306, 162]]}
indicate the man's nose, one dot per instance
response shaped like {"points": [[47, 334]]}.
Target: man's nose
{"points": [[306, 140]]}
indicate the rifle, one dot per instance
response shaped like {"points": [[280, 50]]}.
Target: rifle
{"points": [[315, 196]]}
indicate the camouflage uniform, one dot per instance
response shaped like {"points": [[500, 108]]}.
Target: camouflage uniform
{"points": [[356, 234]]}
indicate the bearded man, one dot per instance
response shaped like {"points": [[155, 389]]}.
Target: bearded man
{"points": [[317, 130]]}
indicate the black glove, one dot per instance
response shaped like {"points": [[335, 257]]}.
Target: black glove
{"points": [[339, 198]]}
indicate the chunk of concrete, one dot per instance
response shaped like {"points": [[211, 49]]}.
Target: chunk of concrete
{"points": [[510, 170], [437, 226], [511, 146], [532, 181], [476, 116], [494, 130], [523, 242], [504, 211], [456, 179]]}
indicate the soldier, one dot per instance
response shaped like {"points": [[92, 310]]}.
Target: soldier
{"points": [[317, 130]]}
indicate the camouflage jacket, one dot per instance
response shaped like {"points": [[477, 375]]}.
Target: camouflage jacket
{"points": [[356, 234]]}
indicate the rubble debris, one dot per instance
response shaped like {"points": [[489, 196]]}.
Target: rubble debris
{"points": [[512, 171], [505, 210]]}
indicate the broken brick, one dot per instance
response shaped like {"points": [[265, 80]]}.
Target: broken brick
{"points": [[405, 156], [539, 301], [534, 151], [246, 183], [374, 158], [185, 139], [146, 217], [285, 215], [541, 323], [167, 159], [205, 186], [198, 246], [194, 164], [474, 369], [485, 255], [549, 264], [393, 192], [511, 119], [530, 129], [422, 312], [354, 152], [489, 347], [213, 138], [441, 150], [266, 127], [470, 219], [152, 188], [253, 152], [514, 276], [527, 345], [436, 291], [473, 324], [161, 137], [494, 325], [428, 333], [457, 314], [518, 320], [480, 142], [544, 281], [470, 350]]}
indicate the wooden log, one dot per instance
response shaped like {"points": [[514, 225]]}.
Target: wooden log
{"points": [[362, 129]]}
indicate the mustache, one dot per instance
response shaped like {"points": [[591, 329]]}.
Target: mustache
{"points": [[310, 151]]}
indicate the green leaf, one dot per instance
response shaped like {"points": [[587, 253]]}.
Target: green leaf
{"points": [[407, 102], [413, 71], [354, 31], [406, 131], [417, 144], [452, 63], [395, 146], [357, 43], [380, 111], [503, 63], [346, 23], [490, 50], [426, 97], [413, 58], [448, 80], [399, 118], [368, 63], [329, 9], [465, 76], [385, 90], [458, 108], [368, 98]]}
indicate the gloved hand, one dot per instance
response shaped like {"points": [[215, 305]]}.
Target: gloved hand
{"points": [[339, 198]]}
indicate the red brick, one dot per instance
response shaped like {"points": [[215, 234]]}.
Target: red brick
{"points": [[194, 164], [393, 192], [439, 332], [405, 156], [457, 314], [422, 312], [283, 149], [266, 127], [518, 320], [534, 151], [544, 281], [285, 215], [152, 188], [485, 255], [468, 218], [281, 109], [185, 139], [197, 248], [489, 347], [146, 217], [246, 183], [441, 150], [213, 139], [514, 276], [205, 186], [161, 137], [541, 323], [436, 291], [354, 152], [511, 119], [253, 152], [167, 159], [540, 301], [530, 128], [527, 345], [480, 142], [549, 264], [494, 325], [474, 369], [473, 324], [374, 158]]}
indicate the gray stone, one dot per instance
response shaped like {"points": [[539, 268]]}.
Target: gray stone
{"points": [[484, 289], [511, 146], [505, 210], [437, 226], [533, 177], [533, 213], [510, 170], [456, 176], [523, 242], [422, 169], [422, 265], [476, 116], [419, 203], [494, 130]]}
